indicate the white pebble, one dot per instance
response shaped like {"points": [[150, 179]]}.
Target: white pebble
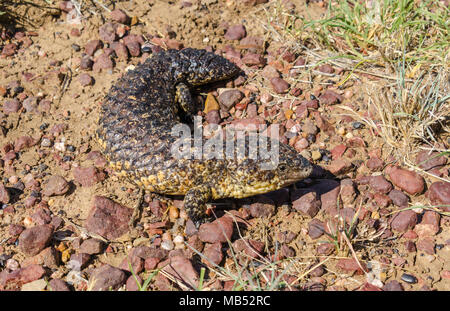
{"points": [[178, 239], [167, 245]]}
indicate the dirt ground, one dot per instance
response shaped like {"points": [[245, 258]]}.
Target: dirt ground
{"points": [[43, 74]]}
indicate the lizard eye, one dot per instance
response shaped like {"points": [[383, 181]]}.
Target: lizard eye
{"points": [[282, 168]]}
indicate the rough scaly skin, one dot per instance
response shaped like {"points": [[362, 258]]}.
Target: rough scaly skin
{"points": [[135, 126]]}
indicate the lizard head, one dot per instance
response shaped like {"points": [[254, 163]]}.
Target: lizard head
{"points": [[261, 176], [201, 67]]}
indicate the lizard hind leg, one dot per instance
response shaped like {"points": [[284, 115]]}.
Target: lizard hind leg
{"points": [[195, 204]]}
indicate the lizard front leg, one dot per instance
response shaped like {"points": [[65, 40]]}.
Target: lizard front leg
{"points": [[184, 98], [195, 204]]}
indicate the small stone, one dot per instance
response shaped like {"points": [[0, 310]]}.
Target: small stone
{"points": [[24, 142], [108, 218], [404, 220], [279, 85], [211, 103], [409, 181], [236, 32], [4, 194], [307, 204], [229, 98], [380, 184], [439, 194], [316, 229], [182, 270], [107, 278], [58, 285], [213, 253], [330, 97], [92, 46], [426, 245], [107, 32], [326, 68], [410, 246], [38, 285], [427, 160], [266, 208], [375, 164], [11, 106], [133, 283], [251, 59], [79, 261], [103, 62], [88, 176], [120, 16], [92, 246], [251, 248], [86, 63], [338, 151], [213, 117], [85, 79], [399, 198], [35, 239], [220, 230], [9, 49], [55, 185], [350, 265]]}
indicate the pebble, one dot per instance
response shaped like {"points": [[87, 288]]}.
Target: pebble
{"points": [[375, 164], [11, 106], [408, 278], [404, 220], [279, 85], [427, 160], [213, 253], [409, 181], [429, 225], [88, 176], [167, 245], [103, 62], [120, 16], [307, 204], [55, 185], [380, 184], [35, 239], [326, 68], [264, 208], [182, 270], [108, 218], [220, 230], [330, 97], [4, 194], [399, 198], [236, 32], [316, 155], [86, 63], [107, 32], [38, 285], [350, 265], [92, 246], [85, 79], [229, 98], [251, 248], [58, 285], [316, 229], [439, 194], [92, 46], [106, 278], [426, 245], [253, 59]]}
